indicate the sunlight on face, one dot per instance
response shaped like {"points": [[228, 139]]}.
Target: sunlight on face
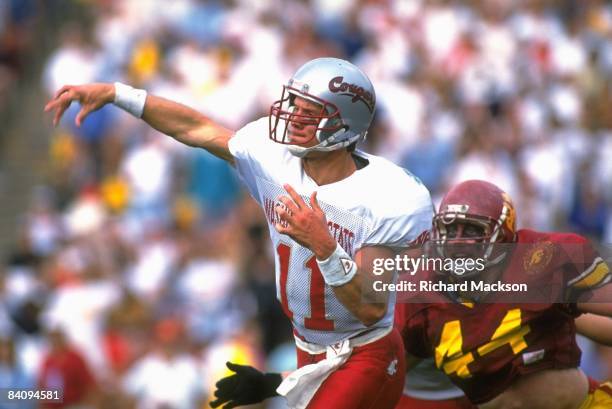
{"points": [[302, 130]]}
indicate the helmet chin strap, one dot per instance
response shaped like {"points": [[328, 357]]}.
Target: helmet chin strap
{"points": [[300, 151]]}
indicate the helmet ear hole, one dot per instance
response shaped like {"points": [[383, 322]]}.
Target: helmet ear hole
{"points": [[336, 123], [331, 127]]}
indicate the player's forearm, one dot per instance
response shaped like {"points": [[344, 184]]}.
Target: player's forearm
{"points": [[353, 282], [595, 327], [353, 298], [598, 308], [187, 126]]}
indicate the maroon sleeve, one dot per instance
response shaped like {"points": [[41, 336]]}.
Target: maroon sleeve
{"points": [[585, 270], [414, 329]]}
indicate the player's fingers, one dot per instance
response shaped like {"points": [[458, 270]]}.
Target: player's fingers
{"points": [[52, 104], [288, 204], [231, 366], [314, 203], [231, 405], [64, 101], [226, 383], [282, 229], [285, 216], [63, 89], [234, 367], [60, 111], [294, 195], [224, 395], [85, 110], [217, 402]]}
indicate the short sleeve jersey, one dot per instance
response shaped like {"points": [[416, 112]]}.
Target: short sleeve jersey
{"points": [[379, 204]]}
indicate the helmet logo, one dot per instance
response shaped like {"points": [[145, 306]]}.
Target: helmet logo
{"points": [[337, 84]]}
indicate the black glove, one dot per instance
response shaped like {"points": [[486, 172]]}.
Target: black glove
{"points": [[245, 387]]}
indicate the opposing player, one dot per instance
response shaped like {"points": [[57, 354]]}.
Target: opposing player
{"points": [[512, 355], [330, 211]]}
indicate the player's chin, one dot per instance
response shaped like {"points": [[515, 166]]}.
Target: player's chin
{"points": [[302, 140]]}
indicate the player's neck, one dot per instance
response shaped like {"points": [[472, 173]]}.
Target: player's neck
{"points": [[329, 167]]}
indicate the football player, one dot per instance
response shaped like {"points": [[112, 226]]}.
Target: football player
{"points": [[512, 354], [427, 387], [330, 213]]}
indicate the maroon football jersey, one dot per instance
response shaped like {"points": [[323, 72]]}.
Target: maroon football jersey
{"points": [[484, 347]]}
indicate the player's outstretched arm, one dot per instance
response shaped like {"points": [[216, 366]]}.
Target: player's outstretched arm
{"points": [[184, 124], [246, 386]]}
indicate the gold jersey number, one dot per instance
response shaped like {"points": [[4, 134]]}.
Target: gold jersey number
{"points": [[449, 353]]}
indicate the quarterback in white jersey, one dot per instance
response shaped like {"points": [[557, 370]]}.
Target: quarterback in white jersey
{"points": [[331, 210], [361, 210]]}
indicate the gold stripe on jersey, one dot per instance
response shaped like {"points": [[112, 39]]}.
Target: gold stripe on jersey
{"points": [[592, 276], [600, 398]]}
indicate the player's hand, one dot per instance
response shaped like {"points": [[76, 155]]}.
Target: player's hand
{"points": [[91, 97], [305, 224], [245, 387]]}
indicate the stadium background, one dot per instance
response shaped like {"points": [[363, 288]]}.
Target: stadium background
{"points": [[148, 260]]}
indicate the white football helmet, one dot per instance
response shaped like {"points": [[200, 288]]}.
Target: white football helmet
{"points": [[346, 98]]}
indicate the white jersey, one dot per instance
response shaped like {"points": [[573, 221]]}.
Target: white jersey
{"points": [[380, 204]]}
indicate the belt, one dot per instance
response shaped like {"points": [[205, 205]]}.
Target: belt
{"points": [[363, 338]]}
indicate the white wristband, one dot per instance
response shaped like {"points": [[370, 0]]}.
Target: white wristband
{"points": [[130, 99], [339, 268]]}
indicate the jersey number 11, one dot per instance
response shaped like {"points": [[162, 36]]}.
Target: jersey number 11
{"points": [[317, 320]]}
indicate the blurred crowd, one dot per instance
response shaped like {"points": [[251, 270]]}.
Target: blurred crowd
{"points": [[141, 266], [16, 22]]}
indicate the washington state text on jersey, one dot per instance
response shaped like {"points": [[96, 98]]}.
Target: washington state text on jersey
{"points": [[344, 236]]}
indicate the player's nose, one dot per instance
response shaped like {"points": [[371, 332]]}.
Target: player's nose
{"points": [[457, 233], [296, 120]]}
